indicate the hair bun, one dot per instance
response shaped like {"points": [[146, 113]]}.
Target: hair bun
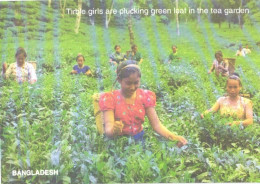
{"points": [[235, 74], [124, 64]]}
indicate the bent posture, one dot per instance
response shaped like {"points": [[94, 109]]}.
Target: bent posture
{"points": [[246, 50], [219, 65], [117, 57], [174, 55], [124, 110], [240, 51], [135, 55]]}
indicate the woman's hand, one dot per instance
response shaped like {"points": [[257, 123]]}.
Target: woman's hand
{"points": [[32, 81], [88, 73], [206, 112], [233, 123], [73, 72], [118, 127], [182, 141]]}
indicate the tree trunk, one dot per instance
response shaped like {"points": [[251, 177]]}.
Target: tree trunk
{"points": [[78, 17], [219, 25], [92, 20], [108, 17], [229, 25], [239, 16], [239, 19], [177, 20], [199, 13], [130, 25], [49, 3], [62, 7]]}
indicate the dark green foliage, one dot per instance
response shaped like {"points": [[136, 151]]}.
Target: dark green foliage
{"points": [[51, 125]]}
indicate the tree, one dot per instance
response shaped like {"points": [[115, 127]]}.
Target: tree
{"points": [[130, 25], [177, 19], [199, 13], [218, 17], [240, 18], [49, 3], [62, 7], [108, 16], [78, 17]]}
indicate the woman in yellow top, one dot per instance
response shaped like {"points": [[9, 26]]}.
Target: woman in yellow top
{"points": [[233, 104]]}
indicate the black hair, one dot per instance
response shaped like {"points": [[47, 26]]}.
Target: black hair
{"points": [[116, 46], [80, 55], [174, 46], [219, 52], [20, 50], [123, 72], [133, 46], [235, 76]]}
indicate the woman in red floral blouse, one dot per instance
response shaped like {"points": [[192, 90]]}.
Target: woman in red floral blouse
{"points": [[124, 110]]}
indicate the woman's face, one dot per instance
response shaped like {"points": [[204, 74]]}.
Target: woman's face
{"points": [[20, 59], [134, 49], [233, 87], [80, 61], [118, 49], [130, 84], [174, 49], [219, 58]]}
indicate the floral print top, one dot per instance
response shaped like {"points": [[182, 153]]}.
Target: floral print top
{"points": [[132, 115]]}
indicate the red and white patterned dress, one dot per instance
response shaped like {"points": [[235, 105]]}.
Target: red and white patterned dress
{"points": [[132, 115]]}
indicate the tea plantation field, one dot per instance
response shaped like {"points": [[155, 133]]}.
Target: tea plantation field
{"points": [[51, 124]]}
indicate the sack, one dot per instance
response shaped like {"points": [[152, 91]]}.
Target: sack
{"points": [[98, 113], [231, 64]]}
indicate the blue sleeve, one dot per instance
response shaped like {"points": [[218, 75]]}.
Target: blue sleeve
{"points": [[75, 67], [112, 57], [86, 68]]}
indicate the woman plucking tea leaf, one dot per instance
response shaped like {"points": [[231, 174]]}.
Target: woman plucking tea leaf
{"points": [[124, 110], [20, 71], [81, 68], [219, 65], [234, 105]]}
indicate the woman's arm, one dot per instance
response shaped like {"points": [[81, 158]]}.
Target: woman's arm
{"points": [[8, 71], [73, 72], [224, 66], [33, 75], [88, 72], [159, 128], [214, 108], [211, 69], [112, 127]]}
